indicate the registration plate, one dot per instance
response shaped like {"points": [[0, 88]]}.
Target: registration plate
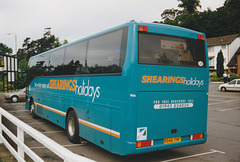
{"points": [[171, 140]]}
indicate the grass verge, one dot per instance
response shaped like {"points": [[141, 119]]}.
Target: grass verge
{"points": [[5, 155]]}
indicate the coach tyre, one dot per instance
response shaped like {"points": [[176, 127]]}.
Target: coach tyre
{"points": [[32, 109], [72, 127]]}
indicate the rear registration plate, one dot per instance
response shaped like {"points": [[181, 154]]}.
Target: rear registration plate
{"points": [[171, 140]]}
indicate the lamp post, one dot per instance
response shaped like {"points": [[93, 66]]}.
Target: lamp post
{"points": [[47, 30]]}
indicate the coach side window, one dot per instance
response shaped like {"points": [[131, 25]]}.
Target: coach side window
{"points": [[32, 67], [75, 56], [103, 55], [33, 62], [56, 62], [43, 64]]}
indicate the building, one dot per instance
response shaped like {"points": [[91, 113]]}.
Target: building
{"points": [[230, 46], [234, 63]]}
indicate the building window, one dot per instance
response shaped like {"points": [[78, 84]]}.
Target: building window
{"points": [[223, 46], [210, 49], [211, 61]]}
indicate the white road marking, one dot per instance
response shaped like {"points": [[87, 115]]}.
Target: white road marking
{"points": [[43, 147], [37, 123], [222, 102], [235, 108], [23, 116], [232, 97], [17, 111], [81, 144], [49, 132], [214, 99], [212, 151], [52, 132]]}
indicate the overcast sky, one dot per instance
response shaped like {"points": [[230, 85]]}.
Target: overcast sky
{"points": [[75, 19]]}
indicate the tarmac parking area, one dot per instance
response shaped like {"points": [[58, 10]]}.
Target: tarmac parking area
{"points": [[223, 135]]}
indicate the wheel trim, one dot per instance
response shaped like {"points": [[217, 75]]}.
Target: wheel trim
{"points": [[71, 127], [32, 108], [14, 99]]}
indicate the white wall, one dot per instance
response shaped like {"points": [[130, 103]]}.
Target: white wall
{"points": [[214, 53]]}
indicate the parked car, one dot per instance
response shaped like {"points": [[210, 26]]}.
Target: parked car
{"points": [[16, 96], [234, 85]]}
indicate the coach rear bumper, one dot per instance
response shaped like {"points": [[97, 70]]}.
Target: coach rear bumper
{"points": [[159, 145]]}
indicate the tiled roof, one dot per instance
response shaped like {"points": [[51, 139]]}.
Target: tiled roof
{"points": [[224, 40]]}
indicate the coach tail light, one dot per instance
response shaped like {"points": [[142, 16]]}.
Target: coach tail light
{"points": [[143, 28], [197, 136], [201, 37], [144, 144]]}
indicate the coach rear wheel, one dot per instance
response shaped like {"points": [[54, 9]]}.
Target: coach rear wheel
{"points": [[32, 109], [72, 127]]}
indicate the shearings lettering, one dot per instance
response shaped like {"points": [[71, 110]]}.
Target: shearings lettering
{"points": [[172, 80], [69, 85], [162, 79]]}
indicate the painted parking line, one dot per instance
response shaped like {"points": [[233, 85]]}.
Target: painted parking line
{"points": [[210, 99], [218, 96], [235, 108], [17, 111], [49, 132], [37, 123], [23, 116], [210, 104], [43, 147], [212, 151]]}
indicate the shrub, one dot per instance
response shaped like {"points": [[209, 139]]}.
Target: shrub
{"points": [[216, 79]]}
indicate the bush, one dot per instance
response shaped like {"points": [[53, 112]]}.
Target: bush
{"points": [[5, 86], [214, 78], [212, 74], [234, 76]]}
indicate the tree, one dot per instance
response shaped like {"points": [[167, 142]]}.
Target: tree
{"points": [[220, 68], [5, 50], [172, 16], [176, 16], [190, 6], [223, 21], [33, 47]]}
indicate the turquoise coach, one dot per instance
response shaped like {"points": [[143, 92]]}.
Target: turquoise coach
{"points": [[135, 88]]}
